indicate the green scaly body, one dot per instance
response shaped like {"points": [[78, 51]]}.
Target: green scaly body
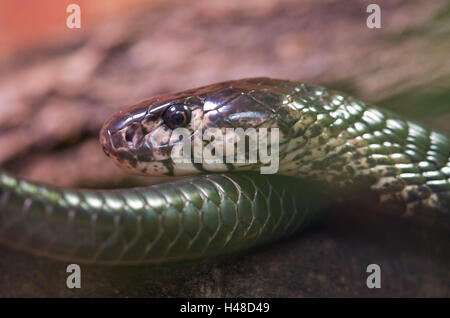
{"points": [[332, 139]]}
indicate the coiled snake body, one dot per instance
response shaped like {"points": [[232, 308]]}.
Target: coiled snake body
{"points": [[332, 147]]}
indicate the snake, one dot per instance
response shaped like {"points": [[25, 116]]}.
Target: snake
{"points": [[331, 149]]}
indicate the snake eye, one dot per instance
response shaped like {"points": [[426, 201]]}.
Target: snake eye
{"points": [[177, 116]]}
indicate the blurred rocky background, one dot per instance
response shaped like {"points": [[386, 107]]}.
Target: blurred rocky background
{"points": [[58, 85]]}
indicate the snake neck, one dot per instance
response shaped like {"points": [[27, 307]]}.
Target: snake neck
{"points": [[348, 144]]}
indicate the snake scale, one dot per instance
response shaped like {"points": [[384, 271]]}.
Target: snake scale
{"points": [[332, 149]]}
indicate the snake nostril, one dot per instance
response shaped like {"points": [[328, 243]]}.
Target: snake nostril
{"points": [[134, 134], [129, 134]]}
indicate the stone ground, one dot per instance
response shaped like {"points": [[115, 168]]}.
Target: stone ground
{"points": [[329, 260]]}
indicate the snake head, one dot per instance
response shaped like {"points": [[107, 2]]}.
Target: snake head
{"points": [[139, 138], [144, 138]]}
